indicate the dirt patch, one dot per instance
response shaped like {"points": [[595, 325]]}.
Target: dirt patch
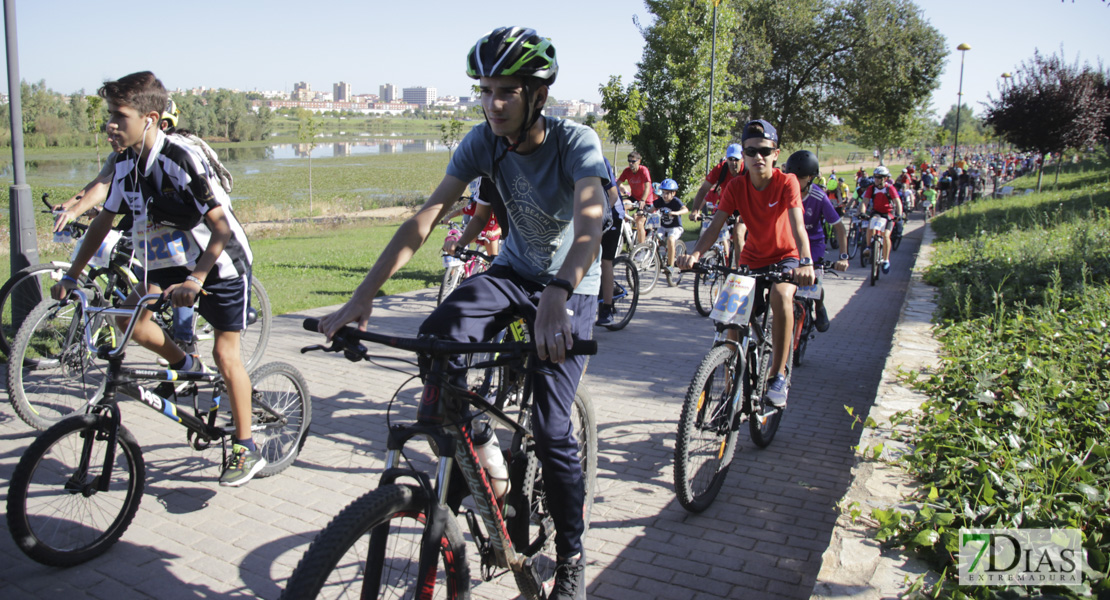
{"points": [[389, 213]]}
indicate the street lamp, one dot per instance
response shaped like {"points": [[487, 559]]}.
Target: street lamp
{"points": [[963, 48], [712, 74]]}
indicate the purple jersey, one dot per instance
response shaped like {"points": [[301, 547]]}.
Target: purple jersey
{"points": [[817, 207]]}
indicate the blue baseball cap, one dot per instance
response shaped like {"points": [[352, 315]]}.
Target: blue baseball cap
{"points": [[768, 133], [734, 151]]}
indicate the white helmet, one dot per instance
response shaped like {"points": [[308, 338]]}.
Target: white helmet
{"points": [[881, 171]]}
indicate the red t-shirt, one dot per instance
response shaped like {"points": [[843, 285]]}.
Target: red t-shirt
{"points": [[491, 225], [882, 200], [766, 214], [714, 176], [638, 180]]}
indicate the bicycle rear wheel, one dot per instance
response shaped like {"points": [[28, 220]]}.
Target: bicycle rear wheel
{"points": [[627, 293], [532, 529], [59, 511], [21, 293], [679, 250], [372, 550], [707, 285], [763, 421], [281, 411], [706, 438], [853, 234], [647, 266], [51, 374]]}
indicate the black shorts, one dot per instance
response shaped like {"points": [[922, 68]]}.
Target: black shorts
{"points": [[225, 304], [610, 240]]}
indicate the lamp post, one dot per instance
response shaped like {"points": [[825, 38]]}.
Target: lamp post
{"points": [[963, 48], [712, 74]]}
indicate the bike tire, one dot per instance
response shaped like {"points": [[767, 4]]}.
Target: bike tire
{"points": [[372, 549], [279, 435], [853, 233], [679, 250], [21, 293], [895, 241], [803, 327], [627, 295], [450, 282], [253, 339], [706, 440], [532, 529], [706, 285], [876, 261], [647, 266], [763, 421], [55, 514], [863, 257], [51, 374]]}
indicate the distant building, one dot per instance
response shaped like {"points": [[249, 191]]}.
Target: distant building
{"points": [[302, 92], [388, 93], [423, 96], [341, 92]]}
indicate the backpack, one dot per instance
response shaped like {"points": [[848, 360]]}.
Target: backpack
{"points": [[214, 163]]}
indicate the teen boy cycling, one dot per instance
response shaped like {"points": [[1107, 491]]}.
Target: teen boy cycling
{"points": [[550, 174]]}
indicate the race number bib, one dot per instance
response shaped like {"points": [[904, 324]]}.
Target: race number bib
{"points": [[162, 247], [811, 291], [735, 302], [653, 220], [103, 254], [877, 222]]}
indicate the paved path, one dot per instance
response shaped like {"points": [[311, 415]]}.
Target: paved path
{"points": [[763, 537]]}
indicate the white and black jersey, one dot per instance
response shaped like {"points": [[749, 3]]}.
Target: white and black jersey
{"points": [[176, 188]]}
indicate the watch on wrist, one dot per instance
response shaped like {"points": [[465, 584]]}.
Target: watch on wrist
{"points": [[805, 262], [562, 284], [843, 256]]}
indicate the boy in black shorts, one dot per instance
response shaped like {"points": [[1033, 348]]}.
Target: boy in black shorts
{"points": [[188, 240]]}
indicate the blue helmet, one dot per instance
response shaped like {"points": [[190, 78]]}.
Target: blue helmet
{"points": [[734, 151], [669, 184]]}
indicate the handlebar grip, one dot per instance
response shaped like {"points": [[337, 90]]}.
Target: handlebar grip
{"points": [[584, 347], [311, 324]]}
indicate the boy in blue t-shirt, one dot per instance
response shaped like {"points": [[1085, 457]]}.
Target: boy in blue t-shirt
{"points": [[550, 174]]}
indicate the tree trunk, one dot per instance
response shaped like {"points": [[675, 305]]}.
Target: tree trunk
{"points": [[1040, 174], [1058, 163]]}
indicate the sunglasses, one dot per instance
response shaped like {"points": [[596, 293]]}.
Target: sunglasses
{"points": [[763, 151], [730, 159]]}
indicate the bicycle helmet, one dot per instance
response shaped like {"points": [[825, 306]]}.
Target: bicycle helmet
{"points": [[170, 114], [513, 51], [881, 171], [802, 163], [669, 185]]}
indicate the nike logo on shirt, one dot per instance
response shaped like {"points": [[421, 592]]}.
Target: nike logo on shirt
{"points": [[773, 205]]}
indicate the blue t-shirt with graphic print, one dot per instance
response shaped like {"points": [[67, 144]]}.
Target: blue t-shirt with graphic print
{"points": [[538, 193]]}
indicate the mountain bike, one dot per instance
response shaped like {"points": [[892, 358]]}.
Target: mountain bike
{"points": [[78, 485], [805, 311], [728, 388], [878, 225], [707, 283], [650, 257], [403, 539], [857, 235], [626, 292]]}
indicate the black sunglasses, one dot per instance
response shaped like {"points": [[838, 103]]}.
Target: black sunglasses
{"points": [[763, 151]]}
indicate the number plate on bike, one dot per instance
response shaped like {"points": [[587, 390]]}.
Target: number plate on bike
{"points": [[104, 254], [811, 291], [450, 262], [734, 304], [878, 222]]}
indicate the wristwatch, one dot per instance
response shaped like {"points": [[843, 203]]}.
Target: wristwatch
{"points": [[805, 262], [843, 256], [563, 284]]}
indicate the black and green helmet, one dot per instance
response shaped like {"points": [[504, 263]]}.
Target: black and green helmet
{"points": [[513, 51]]}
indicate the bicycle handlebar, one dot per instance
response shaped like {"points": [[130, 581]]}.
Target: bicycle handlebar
{"points": [[785, 276], [464, 253], [152, 302], [346, 340]]}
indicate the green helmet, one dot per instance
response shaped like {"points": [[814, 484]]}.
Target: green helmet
{"points": [[513, 51]]}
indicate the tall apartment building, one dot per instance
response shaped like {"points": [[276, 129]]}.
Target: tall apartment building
{"points": [[387, 93], [302, 92], [422, 96], [341, 92]]}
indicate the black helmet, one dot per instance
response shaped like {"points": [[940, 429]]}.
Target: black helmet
{"points": [[802, 163], [513, 51]]}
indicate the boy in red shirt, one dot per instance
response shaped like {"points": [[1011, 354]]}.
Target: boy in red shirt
{"points": [[639, 179], [769, 205]]}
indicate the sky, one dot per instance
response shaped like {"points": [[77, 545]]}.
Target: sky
{"points": [[253, 45]]}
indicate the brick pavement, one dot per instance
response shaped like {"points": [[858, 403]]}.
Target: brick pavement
{"points": [[762, 538]]}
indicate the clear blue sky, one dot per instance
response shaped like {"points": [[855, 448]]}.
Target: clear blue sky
{"points": [[270, 45]]}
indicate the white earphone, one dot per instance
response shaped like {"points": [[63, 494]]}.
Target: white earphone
{"points": [[149, 121]]}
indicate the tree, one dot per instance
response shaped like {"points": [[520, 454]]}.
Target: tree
{"points": [[452, 134], [971, 127], [673, 77], [895, 69], [94, 107], [307, 129], [623, 107], [1049, 106]]}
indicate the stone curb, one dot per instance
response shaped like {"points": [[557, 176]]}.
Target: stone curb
{"points": [[855, 565]]}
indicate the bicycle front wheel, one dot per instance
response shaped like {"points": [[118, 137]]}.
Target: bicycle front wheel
{"points": [[706, 438], [21, 293], [61, 511], [852, 242], [763, 421], [372, 550], [706, 285], [803, 327], [51, 373], [627, 293], [876, 257], [281, 411], [647, 266], [450, 281]]}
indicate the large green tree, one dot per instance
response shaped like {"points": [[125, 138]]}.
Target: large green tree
{"points": [[972, 130], [896, 68], [673, 77], [622, 111]]}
